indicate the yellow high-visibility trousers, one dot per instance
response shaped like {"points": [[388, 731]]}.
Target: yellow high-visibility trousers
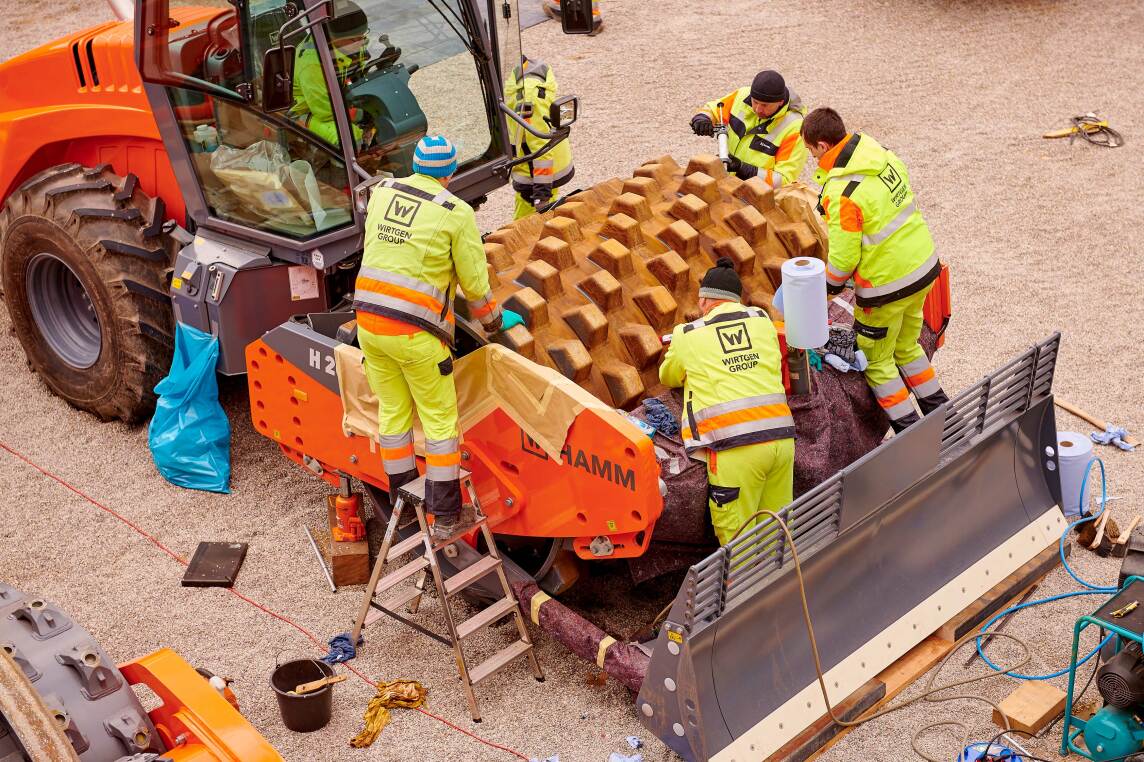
{"points": [[747, 479], [408, 371]]}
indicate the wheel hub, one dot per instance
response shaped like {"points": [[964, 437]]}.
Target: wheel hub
{"points": [[63, 311]]}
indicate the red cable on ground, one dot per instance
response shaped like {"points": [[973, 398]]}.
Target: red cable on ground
{"points": [[320, 645]]}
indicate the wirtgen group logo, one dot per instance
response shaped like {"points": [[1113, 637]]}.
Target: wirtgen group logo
{"points": [[733, 337], [402, 210], [531, 446]]}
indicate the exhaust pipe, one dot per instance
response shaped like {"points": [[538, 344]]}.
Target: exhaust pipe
{"points": [[124, 10]]}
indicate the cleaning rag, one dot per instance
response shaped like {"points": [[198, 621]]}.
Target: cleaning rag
{"points": [[659, 416], [404, 694], [815, 359], [1113, 435], [836, 362], [341, 649]]}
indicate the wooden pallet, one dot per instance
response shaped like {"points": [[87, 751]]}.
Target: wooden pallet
{"points": [[877, 692]]}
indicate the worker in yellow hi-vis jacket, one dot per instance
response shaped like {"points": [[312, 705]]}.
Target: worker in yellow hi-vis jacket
{"points": [[530, 92], [420, 242], [734, 405]]}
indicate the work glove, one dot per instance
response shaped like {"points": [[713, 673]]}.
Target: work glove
{"points": [[541, 195], [510, 319], [701, 125], [742, 169]]}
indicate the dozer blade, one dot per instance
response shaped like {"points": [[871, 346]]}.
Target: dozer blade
{"points": [[891, 548]]}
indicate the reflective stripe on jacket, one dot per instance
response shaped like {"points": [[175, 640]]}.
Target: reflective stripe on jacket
{"points": [[729, 365], [774, 144], [877, 233], [421, 241], [530, 92]]}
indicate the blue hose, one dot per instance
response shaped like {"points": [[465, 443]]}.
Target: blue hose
{"points": [[1091, 588]]}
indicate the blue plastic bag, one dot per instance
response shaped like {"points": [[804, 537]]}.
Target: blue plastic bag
{"points": [[189, 435]]}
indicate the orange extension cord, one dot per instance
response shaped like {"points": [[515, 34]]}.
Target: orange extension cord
{"points": [[182, 562]]}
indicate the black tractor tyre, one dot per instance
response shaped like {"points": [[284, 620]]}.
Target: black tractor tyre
{"points": [[85, 259]]}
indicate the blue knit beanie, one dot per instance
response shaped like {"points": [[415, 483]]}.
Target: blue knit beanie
{"points": [[435, 156]]}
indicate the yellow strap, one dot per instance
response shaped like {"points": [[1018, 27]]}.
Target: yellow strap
{"points": [[537, 601], [602, 651]]}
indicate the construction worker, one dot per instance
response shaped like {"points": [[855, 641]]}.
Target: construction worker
{"points": [[421, 240], [552, 10], [530, 92], [878, 238], [349, 33], [763, 137], [735, 408]]}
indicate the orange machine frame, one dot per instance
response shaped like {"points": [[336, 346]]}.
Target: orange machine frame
{"points": [[195, 722], [606, 482]]}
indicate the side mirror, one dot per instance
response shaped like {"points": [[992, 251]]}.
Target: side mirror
{"points": [[563, 112], [576, 16], [278, 78]]}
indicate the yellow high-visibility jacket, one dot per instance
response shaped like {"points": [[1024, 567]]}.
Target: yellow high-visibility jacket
{"points": [[774, 145], [530, 92]]}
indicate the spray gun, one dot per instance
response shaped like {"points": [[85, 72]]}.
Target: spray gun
{"points": [[721, 136]]}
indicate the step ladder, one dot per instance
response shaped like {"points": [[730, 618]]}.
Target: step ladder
{"points": [[413, 495]]}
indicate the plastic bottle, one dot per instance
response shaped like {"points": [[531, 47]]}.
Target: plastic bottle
{"points": [[206, 137]]}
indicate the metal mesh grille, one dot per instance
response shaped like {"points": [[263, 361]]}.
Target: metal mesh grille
{"points": [[761, 553]]}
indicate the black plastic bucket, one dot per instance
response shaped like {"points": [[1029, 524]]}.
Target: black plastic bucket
{"points": [[310, 711]]}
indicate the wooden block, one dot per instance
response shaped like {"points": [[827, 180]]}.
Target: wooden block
{"points": [[564, 228], [529, 305], [1031, 707], [553, 251], [624, 229], [774, 273], [1004, 591], [670, 270], [681, 237], [708, 164], [693, 210], [643, 343], [348, 561], [624, 384], [702, 185], [571, 359], [797, 239], [603, 289], [576, 210], [749, 223], [498, 256], [657, 305], [644, 186], [738, 251], [660, 170], [589, 323], [502, 236], [494, 279], [758, 193], [614, 257], [633, 205], [542, 278], [519, 339]]}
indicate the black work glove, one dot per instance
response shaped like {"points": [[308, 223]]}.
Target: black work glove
{"points": [[541, 195], [701, 125], [742, 169]]}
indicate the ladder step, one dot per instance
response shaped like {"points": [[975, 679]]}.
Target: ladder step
{"points": [[397, 603], [471, 574], [486, 617], [405, 572], [498, 660], [416, 540]]}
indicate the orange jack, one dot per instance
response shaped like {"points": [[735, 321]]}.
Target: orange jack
{"points": [[350, 527]]}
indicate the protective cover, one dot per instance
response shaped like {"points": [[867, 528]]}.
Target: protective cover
{"points": [[189, 435]]}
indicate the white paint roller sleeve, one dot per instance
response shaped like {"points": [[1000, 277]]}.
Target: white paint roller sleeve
{"points": [[804, 302], [1074, 451]]}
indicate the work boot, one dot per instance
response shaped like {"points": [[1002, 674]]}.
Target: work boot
{"points": [[448, 526]]}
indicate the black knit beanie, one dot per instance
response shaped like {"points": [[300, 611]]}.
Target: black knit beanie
{"points": [[769, 87], [721, 282], [349, 20]]}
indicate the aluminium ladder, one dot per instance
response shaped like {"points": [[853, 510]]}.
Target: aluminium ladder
{"points": [[427, 563]]}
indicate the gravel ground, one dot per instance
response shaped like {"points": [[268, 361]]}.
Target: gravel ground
{"points": [[1041, 236]]}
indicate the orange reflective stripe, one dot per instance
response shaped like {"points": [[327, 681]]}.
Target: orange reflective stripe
{"points": [[850, 216], [786, 148], [770, 177], [920, 378], [899, 396], [743, 416], [394, 453], [448, 459], [862, 282], [398, 292], [542, 171], [486, 310], [384, 326], [826, 208]]}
